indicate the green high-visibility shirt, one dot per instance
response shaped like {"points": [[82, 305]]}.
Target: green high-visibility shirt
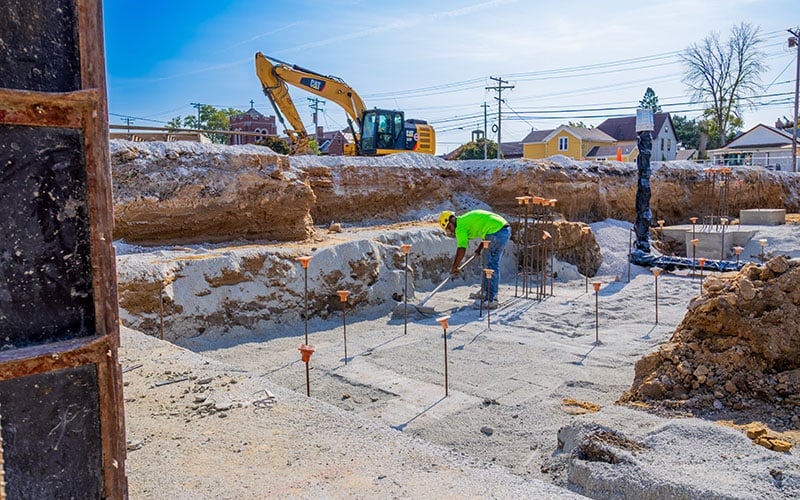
{"points": [[476, 224]]}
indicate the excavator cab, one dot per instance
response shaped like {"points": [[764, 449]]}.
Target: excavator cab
{"points": [[382, 129], [386, 131]]}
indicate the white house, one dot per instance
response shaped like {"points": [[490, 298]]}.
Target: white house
{"points": [[761, 146]]}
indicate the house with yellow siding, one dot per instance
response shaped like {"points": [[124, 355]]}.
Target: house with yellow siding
{"points": [[574, 142]]}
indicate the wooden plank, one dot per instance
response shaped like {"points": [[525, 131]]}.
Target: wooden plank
{"points": [[54, 356], [93, 76], [22, 107]]}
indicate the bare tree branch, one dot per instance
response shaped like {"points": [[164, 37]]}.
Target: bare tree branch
{"points": [[725, 76]]}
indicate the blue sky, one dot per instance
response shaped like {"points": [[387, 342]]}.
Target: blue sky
{"points": [[574, 60]]}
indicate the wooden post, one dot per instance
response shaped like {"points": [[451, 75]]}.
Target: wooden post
{"points": [[62, 359]]}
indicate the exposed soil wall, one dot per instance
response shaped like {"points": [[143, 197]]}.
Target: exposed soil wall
{"points": [[186, 192]]}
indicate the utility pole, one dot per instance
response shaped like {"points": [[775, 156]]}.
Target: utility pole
{"points": [[197, 105], [499, 88], [315, 102], [485, 130], [795, 42], [128, 120]]}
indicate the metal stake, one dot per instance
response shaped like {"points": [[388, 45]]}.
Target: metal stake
{"points": [[596, 313], [343, 298], [630, 244], [702, 263], [305, 260], [585, 230], [488, 305], [484, 289], [656, 272], [520, 200], [443, 322], [406, 248]]}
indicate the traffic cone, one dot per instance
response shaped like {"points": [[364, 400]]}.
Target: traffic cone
{"points": [[619, 154]]}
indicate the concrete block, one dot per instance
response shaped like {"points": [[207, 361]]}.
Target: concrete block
{"points": [[710, 245], [762, 217]]}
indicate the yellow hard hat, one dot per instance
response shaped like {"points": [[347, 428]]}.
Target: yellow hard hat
{"points": [[444, 219]]}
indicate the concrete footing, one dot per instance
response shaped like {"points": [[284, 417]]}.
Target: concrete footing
{"points": [[762, 217], [710, 244]]}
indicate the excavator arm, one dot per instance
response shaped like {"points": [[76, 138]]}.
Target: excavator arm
{"points": [[276, 74], [276, 90]]}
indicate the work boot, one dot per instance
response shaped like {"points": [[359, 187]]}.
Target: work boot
{"points": [[493, 304], [476, 295]]}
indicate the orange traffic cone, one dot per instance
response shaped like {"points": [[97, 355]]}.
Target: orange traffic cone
{"points": [[619, 154]]}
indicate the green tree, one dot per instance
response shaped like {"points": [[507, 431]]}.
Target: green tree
{"points": [[174, 123], [687, 131], [276, 144], [650, 101], [733, 122], [474, 150], [210, 118], [725, 75], [579, 124]]}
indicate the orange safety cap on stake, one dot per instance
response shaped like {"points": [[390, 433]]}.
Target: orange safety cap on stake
{"points": [[656, 271], [694, 242], [305, 260], [596, 287], [443, 321], [702, 261], [693, 219], [489, 273], [343, 295], [305, 352], [485, 243], [406, 247]]}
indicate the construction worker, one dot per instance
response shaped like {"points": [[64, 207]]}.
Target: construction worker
{"points": [[486, 226]]}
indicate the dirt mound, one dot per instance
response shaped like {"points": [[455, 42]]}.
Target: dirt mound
{"points": [[737, 349], [167, 192]]}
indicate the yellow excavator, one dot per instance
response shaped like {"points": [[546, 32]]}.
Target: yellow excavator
{"points": [[379, 131]]}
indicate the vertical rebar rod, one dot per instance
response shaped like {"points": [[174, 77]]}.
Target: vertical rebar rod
{"points": [[308, 381], [488, 273], [630, 244], [702, 263], [519, 247], [305, 293], [344, 328], [484, 289], [524, 237], [596, 312], [723, 222], [443, 321], [552, 258], [656, 272], [161, 309], [446, 381], [656, 298], [405, 301]]}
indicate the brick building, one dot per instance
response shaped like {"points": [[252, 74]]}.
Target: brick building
{"points": [[251, 121], [333, 142]]}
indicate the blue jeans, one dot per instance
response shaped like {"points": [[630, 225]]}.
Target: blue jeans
{"points": [[497, 243]]}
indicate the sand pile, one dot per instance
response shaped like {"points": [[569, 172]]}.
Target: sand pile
{"points": [[737, 349]]}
